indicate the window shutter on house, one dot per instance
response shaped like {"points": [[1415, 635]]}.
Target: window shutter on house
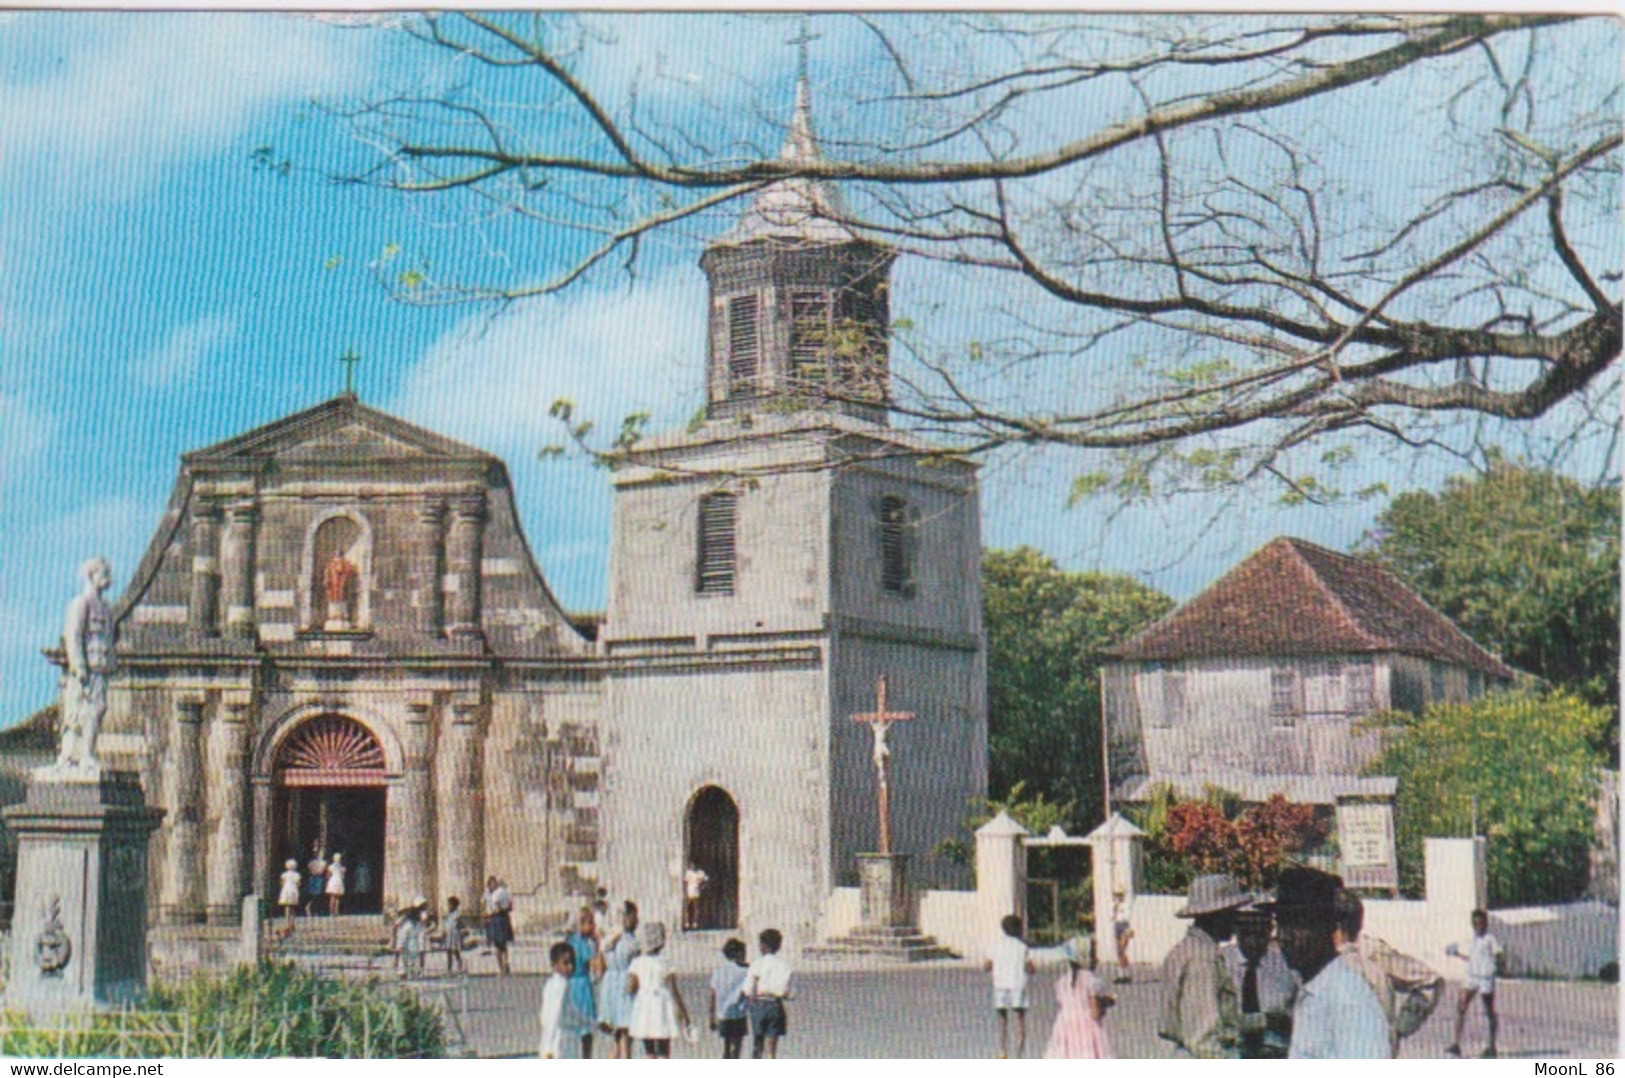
{"points": [[716, 562]]}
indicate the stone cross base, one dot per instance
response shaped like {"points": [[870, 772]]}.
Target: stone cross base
{"points": [[79, 927], [886, 929], [883, 878]]}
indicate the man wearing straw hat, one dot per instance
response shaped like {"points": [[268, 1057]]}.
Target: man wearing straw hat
{"points": [[1199, 1008]]}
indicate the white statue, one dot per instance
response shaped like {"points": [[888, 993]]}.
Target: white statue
{"points": [[882, 750], [87, 638]]}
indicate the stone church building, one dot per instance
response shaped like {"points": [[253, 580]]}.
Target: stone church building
{"points": [[340, 640]]}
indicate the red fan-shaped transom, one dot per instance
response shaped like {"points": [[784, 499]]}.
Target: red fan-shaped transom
{"points": [[331, 751]]}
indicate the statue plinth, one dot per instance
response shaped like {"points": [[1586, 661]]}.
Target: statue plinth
{"points": [[79, 927], [885, 898]]}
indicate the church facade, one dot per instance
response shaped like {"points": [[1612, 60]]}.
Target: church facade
{"points": [[339, 641]]}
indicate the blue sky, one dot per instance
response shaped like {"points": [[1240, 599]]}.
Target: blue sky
{"points": [[159, 292]]}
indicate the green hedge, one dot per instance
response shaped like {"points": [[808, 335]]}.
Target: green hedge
{"points": [[274, 1009]]}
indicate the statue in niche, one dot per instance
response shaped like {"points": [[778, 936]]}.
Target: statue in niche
{"points": [[87, 641], [338, 584]]}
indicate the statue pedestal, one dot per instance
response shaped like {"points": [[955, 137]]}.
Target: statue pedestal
{"points": [[883, 880], [79, 930], [886, 927]]}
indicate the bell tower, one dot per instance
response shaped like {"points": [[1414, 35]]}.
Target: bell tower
{"points": [[799, 306]]}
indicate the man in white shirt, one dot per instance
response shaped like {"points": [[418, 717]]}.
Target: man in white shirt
{"points": [[1266, 988], [1481, 953], [1337, 1015]]}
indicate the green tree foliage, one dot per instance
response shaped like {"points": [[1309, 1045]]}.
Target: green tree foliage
{"points": [[1036, 813], [1526, 561], [1527, 758], [1048, 631]]}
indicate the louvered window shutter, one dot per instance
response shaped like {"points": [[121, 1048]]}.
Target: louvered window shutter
{"points": [[893, 545], [744, 346], [716, 563], [809, 340]]}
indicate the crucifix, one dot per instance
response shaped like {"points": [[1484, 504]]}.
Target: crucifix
{"points": [[880, 721], [349, 359]]}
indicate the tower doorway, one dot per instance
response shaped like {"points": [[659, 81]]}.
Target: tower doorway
{"points": [[330, 790], [711, 841]]}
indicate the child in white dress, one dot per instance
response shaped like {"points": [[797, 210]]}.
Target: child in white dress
{"points": [[335, 884], [288, 899], [658, 1013]]}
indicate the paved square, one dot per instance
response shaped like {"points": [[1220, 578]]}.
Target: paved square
{"points": [[945, 1012]]}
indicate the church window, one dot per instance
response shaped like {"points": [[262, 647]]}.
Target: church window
{"points": [[809, 340], [744, 345], [1284, 696], [896, 553], [1361, 698], [716, 563]]}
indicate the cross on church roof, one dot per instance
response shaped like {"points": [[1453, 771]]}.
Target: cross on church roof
{"points": [[349, 359], [803, 38], [880, 714]]}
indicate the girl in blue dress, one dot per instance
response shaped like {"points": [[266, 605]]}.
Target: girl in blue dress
{"points": [[585, 942], [614, 1001]]}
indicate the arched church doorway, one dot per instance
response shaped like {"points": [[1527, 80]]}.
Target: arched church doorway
{"points": [[711, 842], [329, 779]]}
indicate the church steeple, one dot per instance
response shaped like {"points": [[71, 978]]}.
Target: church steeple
{"points": [[799, 307]]}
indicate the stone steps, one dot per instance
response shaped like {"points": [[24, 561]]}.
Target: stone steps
{"points": [[895, 943]]}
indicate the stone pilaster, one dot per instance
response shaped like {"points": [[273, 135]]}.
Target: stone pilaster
{"points": [[237, 568], [182, 883], [462, 813], [203, 607], [415, 873], [429, 555], [465, 549], [228, 848]]}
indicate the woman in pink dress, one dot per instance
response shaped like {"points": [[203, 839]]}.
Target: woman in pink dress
{"points": [[1078, 1032]]}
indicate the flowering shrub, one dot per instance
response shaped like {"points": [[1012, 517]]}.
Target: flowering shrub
{"points": [[1252, 846]]}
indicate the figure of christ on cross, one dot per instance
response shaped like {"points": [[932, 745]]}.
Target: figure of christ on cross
{"points": [[880, 721]]}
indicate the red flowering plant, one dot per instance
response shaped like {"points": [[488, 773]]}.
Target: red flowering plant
{"points": [[1252, 847]]}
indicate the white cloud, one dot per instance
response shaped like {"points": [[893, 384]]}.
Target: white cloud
{"points": [[186, 346], [25, 430], [134, 94], [610, 352]]}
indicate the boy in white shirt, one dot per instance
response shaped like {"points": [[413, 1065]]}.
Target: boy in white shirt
{"points": [[767, 986], [561, 1021], [1010, 964], [1480, 953]]}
